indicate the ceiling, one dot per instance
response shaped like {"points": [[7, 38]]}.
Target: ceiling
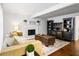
{"points": [[25, 9], [69, 9]]}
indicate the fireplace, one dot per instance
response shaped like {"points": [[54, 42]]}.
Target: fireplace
{"points": [[31, 32]]}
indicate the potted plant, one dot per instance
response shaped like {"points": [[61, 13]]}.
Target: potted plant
{"points": [[30, 50]]}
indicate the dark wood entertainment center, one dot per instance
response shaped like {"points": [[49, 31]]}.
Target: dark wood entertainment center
{"points": [[62, 30]]}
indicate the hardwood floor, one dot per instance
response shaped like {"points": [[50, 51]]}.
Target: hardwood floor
{"points": [[71, 49]]}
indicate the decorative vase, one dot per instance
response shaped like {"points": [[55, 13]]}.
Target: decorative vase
{"points": [[30, 53]]}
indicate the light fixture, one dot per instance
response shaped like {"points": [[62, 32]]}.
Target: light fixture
{"points": [[25, 20], [38, 25], [38, 21]]}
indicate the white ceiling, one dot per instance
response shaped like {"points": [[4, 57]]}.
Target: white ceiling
{"points": [[25, 9], [58, 10]]}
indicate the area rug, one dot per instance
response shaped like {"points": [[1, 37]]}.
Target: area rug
{"points": [[52, 48]]}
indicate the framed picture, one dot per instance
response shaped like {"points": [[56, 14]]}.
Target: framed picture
{"points": [[32, 22]]}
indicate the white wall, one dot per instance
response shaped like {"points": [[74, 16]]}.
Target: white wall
{"points": [[76, 27], [43, 26], [1, 27], [11, 19], [60, 19]]}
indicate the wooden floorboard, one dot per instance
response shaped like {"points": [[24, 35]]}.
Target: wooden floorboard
{"points": [[71, 49]]}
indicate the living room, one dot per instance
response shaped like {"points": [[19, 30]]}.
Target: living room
{"points": [[28, 23]]}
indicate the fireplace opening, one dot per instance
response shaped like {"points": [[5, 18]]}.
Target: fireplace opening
{"points": [[31, 32]]}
